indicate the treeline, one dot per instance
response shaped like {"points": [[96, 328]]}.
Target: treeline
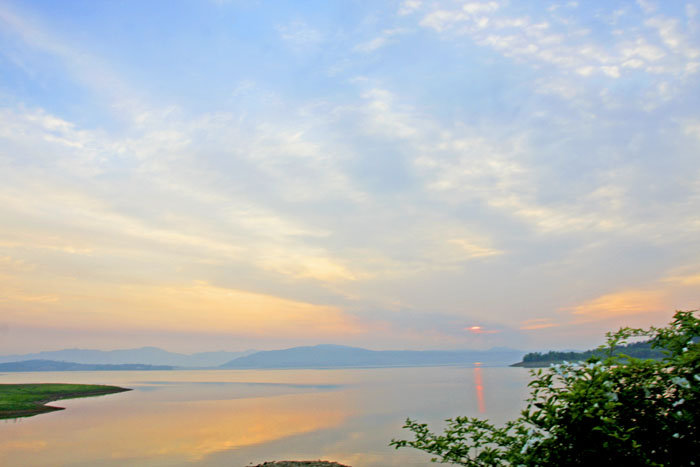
{"points": [[636, 350]]}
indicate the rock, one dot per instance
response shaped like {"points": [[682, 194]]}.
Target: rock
{"points": [[318, 463]]}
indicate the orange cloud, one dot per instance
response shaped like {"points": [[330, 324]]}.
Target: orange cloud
{"points": [[305, 265], [684, 280], [198, 306], [537, 323], [623, 303]]}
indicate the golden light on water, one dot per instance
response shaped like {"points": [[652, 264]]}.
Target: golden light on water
{"points": [[193, 431], [479, 384]]}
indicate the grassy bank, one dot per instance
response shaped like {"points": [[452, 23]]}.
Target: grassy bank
{"points": [[25, 400]]}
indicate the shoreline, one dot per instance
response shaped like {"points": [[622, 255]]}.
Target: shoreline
{"points": [[26, 400]]}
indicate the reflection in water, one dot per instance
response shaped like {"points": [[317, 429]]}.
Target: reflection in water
{"points": [[187, 430], [14, 445], [228, 418], [478, 382], [202, 427]]}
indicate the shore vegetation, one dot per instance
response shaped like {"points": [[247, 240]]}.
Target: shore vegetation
{"points": [[642, 350], [25, 400], [612, 409]]}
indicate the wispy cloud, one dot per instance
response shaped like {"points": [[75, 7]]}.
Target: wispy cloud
{"points": [[537, 323], [299, 34], [473, 250], [623, 303], [662, 47], [380, 41], [409, 6]]}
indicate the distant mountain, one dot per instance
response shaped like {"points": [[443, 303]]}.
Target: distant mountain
{"points": [[320, 356], [51, 365], [143, 355], [338, 356]]}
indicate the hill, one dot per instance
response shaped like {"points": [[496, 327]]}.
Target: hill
{"points": [[636, 350], [338, 356], [143, 355], [51, 365]]}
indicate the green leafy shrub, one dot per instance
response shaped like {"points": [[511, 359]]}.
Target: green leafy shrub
{"points": [[610, 410]]}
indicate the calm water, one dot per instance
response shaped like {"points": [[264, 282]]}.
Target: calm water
{"points": [[239, 417]]}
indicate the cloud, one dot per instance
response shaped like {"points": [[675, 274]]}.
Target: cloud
{"points": [[380, 41], [471, 12], [686, 280], [659, 47], [623, 303], [193, 307], [552, 153], [473, 250], [183, 222], [692, 127], [667, 293], [299, 34], [304, 265], [647, 6], [409, 6], [37, 41], [537, 323], [10, 297]]}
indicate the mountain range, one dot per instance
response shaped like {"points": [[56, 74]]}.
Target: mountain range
{"points": [[339, 356], [51, 365], [143, 355], [318, 356]]}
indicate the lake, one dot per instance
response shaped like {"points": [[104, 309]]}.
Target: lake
{"points": [[239, 417]]}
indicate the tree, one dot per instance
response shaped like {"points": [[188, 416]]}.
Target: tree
{"points": [[610, 410]]}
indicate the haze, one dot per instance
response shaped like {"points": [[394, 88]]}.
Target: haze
{"points": [[417, 174]]}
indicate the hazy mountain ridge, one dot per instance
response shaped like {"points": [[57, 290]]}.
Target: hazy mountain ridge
{"points": [[335, 356], [318, 356], [142, 355], [51, 365]]}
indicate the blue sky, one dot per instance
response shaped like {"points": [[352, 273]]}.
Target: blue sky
{"points": [[234, 174]]}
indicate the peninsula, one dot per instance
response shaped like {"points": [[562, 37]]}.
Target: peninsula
{"points": [[641, 350], [26, 400]]}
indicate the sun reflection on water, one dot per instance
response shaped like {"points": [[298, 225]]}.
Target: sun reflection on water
{"points": [[478, 382]]}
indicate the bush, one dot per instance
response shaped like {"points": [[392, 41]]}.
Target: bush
{"points": [[610, 410]]}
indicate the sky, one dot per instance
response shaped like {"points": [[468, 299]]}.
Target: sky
{"points": [[232, 174]]}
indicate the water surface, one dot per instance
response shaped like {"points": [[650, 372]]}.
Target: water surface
{"points": [[239, 417]]}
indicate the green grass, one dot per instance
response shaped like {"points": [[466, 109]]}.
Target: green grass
{"points": [[25, 400]]}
